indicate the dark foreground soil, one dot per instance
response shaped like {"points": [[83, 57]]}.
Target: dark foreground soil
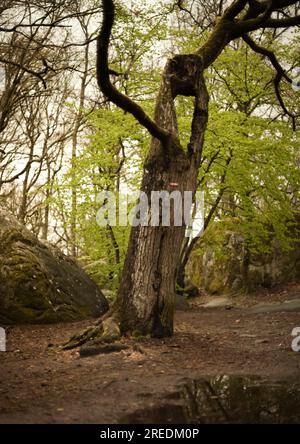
{"points": [[39, 385]]}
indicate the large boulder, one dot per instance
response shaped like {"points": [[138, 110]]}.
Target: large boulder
{"points": [[237, 270], [38, 283]]}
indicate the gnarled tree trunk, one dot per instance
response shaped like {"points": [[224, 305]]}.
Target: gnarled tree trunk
{"points": [[145, 301]]}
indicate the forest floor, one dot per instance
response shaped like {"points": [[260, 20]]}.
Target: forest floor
{"points": [[39, 385]]}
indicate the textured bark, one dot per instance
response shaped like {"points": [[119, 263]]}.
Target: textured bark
{"points": [[145, 301]]}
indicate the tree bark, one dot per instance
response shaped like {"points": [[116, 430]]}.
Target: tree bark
{"points": [[145, 301]]}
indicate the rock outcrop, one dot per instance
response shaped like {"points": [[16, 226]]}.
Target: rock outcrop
{"points": [[237, 270], [38, 283]]}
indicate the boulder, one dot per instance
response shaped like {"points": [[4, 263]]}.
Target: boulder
{"points": [[237, 270], [38, 283]]}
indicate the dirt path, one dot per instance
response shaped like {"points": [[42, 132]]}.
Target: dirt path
{"points": [[38, 385]]}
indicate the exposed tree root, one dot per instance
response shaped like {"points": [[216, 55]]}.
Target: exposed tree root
{"points": [[107, 330], [87, 335]]}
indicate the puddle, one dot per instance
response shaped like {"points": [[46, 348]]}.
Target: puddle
{"points": [[226, 399]]}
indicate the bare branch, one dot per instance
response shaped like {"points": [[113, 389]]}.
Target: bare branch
{"points": [[16, 176], [279, 76], [283, 23], [105, 84], [266, 53], [39, 75]]}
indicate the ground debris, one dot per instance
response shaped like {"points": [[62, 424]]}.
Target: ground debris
{"points": [[98, 347]]}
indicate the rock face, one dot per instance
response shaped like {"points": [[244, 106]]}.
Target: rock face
{"points": [[237, 270], [38, 283]]}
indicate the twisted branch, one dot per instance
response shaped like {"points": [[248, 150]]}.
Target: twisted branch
{"points": [[105, 85], [281, 74]]}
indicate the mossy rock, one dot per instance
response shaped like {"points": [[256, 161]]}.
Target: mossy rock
{"points": [[38, 283], [237, 270]]}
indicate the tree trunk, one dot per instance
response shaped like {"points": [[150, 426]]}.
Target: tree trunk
{"points": [[189, 245], [145, 303], [78, 121]]}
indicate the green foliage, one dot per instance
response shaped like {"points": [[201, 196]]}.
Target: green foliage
{"points": [[111, 159], [249, 172], [249, 157]]}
